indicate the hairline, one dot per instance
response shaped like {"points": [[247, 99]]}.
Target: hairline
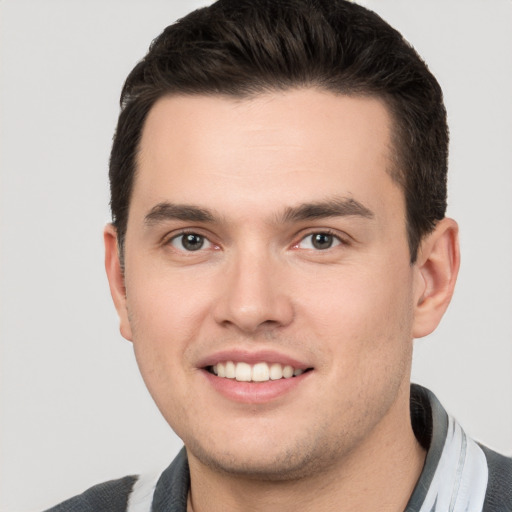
{"points": [[396, 145]]}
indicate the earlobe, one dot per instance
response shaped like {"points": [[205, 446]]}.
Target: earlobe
{"points": [[116, 279], [437, 267]]}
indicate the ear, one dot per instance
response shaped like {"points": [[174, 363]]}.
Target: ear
{"points": [[437, 267], [115, 276]]}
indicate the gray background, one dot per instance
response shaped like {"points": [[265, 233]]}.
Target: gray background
{"points": [[74, 410]]}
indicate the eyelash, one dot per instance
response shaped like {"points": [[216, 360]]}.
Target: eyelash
{"points": [[182, 235], [336, 239]]}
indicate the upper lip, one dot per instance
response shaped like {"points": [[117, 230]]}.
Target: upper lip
{"points": [[252, 357]]}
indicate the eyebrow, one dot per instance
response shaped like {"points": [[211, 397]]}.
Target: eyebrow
{"points": [[168, 211], [337, 207]]}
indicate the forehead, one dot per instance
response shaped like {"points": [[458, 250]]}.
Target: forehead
{"points": [[275, 149]]}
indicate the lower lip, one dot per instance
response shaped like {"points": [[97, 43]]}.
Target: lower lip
{"points": [[254, 392]]}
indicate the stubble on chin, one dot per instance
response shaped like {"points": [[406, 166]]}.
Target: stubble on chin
{"points": [[310, 456]]}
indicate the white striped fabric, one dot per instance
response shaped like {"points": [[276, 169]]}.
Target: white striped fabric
{"points": [[141, 497], [460, 480]]}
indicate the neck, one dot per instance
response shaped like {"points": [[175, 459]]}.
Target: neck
{"points": [[379, 474]]}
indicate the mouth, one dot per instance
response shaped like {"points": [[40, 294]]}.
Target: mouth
{"points": [[259, 372]]}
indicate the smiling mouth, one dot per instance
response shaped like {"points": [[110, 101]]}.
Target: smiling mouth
{"points": [[259, 372]]}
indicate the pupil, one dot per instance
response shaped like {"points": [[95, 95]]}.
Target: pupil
{"points": [[192, 242], [322, 241]]}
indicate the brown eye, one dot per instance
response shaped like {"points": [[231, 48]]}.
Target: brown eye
{"points": [[322, 240], [189, 242], [319, 241]]}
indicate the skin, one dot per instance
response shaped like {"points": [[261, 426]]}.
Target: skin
{"points": [[341, 438]]}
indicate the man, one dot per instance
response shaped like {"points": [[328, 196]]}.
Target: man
{"points": [[278, 190]]}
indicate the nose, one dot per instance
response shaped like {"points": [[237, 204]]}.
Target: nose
{"points": [[254, 296]]}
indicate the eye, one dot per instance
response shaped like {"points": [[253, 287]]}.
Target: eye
{"points": [[319, 241], [190, 242]]}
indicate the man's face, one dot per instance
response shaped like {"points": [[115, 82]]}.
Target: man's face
{"points": [[266, 233]]}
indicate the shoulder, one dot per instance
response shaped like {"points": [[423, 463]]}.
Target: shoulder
{"points": [[158, 490], [499, 487], [112, 496]]}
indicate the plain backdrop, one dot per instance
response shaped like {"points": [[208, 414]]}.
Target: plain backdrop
{"points": [[74, 410]]}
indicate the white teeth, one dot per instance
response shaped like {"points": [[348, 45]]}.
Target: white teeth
{"points": [[287, 372], [230, 370], [276, 371], [243, 372], [260, 372]]}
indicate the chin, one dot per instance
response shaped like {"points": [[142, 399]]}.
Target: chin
{"points": [[277, 468], [271, 461]]}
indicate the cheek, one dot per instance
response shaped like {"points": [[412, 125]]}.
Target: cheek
{"points": [[365, 313], [166, 306], [165, 316], [162, 327]]}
